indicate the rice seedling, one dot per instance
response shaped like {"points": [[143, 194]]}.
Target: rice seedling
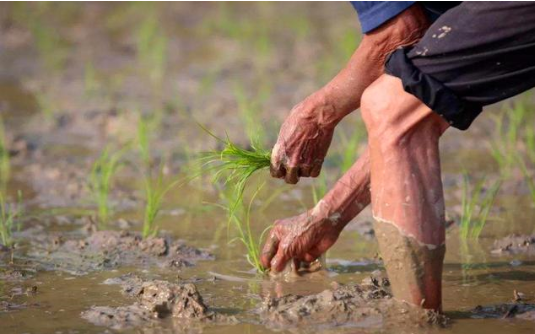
{"points": [[476, 206], [530, 142], [9, 220], [319, 188], [248, 109], [152, 47], [242, 224], [5, 165], [514, 129], [350, 146], [45, 104], [51, 47], [154, 195], [90, 80], [100, 179], [143, 140], [234, 163], [529, 179]]}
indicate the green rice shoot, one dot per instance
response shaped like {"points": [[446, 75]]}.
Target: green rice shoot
{"points": [[476, 206], [529, 179], [234, 164], [100, 178], [154, 195], [8, 220], [5, 165], [242, 223]]}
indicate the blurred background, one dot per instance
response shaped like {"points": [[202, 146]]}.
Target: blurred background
{"points": [[97, 100]]}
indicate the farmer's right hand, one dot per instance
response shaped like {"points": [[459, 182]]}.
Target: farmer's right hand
{"points": [[304, 138]]}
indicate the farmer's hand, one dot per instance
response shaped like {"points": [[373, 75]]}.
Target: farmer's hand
{"points": [[303, 238], [304, 138]]}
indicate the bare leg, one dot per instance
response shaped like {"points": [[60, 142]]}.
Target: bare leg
{"points": [[407, 198]]}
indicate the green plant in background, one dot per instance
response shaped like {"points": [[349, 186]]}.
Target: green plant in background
{"points": [[476, 206], [350, 145], [100, 178], [143, 142], [45, 104], [530, 142], [249, 112], [319, 188], [529, 179], [9, 220], [152, 46], [154, 195], [51, 47], [5, 165], [91, 83], [514, 129], [242, 223]]}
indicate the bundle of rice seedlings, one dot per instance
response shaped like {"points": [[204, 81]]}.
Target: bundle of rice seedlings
{"points": [[233, 163]]}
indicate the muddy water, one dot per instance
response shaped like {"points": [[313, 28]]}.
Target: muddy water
{"points": [[52, 157], [472, 277]]}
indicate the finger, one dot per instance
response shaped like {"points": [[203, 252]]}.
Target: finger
{"points": [[279, 261], [276, 167], [269, 251], [291, 175], [309, 257], [305, 170], [277, 171], [316, 169]]}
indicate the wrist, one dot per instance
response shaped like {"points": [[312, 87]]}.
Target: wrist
{"points": [[323, 110], [328, 217]]}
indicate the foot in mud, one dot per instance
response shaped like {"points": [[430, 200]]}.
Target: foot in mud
{"points": [[155, 299], [515, 244], [368, 305]]}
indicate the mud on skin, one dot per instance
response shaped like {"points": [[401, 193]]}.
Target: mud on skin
{"points": [[400, 251]]}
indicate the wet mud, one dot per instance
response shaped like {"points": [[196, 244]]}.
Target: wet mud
{"points": [[515, 244], [367, 305], [505, 311], [111, 249], [155, 300]]}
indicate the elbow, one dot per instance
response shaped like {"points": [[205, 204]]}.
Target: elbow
{"points": [[405, 29]]}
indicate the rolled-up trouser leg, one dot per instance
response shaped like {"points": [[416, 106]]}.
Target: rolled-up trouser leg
{"points": [[476, 54], [406, 190]]}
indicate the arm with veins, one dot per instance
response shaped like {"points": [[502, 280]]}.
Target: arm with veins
{"points": [[305, 137]]}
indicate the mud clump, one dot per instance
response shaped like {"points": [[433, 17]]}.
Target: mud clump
{"points": [[368, 305], [505, 311], [155, 299], [111, 249], [515, 244]]}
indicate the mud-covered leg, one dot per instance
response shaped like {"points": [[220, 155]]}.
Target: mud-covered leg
{"points": [[406, 190]]}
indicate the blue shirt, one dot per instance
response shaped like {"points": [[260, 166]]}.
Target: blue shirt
{"points": [[373, 14]]}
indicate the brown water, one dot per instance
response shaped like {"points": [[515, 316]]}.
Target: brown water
{"points": [[472, 276]]}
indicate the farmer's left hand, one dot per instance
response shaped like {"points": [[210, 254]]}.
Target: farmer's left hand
{"points": [[304, 139], [301, 238]]}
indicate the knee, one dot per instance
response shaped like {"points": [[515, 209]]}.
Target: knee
{"points": [[393, 116], [378, 105]]}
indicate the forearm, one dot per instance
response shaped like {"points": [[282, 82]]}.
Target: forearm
{"points": [[343, 93], [350, 194]]}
